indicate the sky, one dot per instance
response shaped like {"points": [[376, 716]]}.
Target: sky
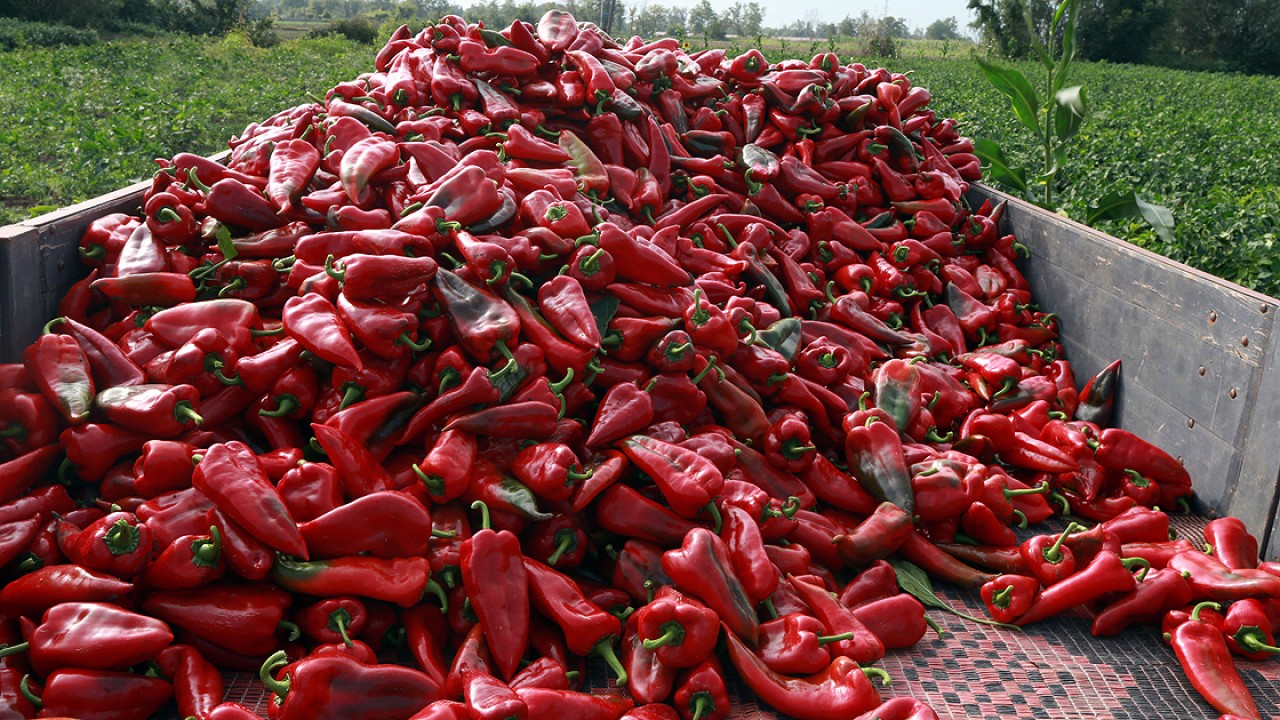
{"points": [[918, 13]]}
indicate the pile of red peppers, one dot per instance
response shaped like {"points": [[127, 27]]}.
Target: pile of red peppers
{"points": [[532, 346]]}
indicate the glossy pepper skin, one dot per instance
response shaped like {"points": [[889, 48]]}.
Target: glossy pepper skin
{"points": [[497, 584], [231, 475], [841, 690], [102, 695], [61, 370], [1202, 651], [702, 568], [337, 686], [95, 636], [681, 631], [588, 628]]}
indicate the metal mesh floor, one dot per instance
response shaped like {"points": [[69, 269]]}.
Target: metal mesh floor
{"points": [[1054, 670]]}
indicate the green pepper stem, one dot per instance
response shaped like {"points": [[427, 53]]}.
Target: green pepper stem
{"points": [[338, 621], [769, 607], [434, 483], [285, 405], [1133, 562], [826, 639], [1195, 611], [1002, 597], [484, 513], [7, 650], [417, 347], [564, 544], [14, 431], [291, 630], [1053, 553], [24, 687], [1253, 640], [714, 512], [702, 704], [885, 679], [604, 649], [279, 688], [184, 412], [672, 634], [122, 538], [575, 476]]}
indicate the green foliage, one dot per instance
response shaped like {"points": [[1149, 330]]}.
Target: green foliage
{"points": [[26, 34], [88, 120], [262, 32], [356, 29]]}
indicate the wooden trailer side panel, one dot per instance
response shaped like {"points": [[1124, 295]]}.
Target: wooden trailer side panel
{"points": [[1199, 356]]}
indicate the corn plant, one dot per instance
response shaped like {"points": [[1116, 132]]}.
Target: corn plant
{"points": [[1054, 119]]}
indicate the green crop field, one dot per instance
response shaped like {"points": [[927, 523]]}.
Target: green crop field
{"points": [[79, 122]]}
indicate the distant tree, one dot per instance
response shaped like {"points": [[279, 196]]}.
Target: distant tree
{"points": [[1002, 24], [752, 20], [946, 29], [701, 16]]}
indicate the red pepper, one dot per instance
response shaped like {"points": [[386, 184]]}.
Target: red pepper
{"points": [[1105, 574], [231, 476], [648, 679], [240, 618], [1047, 558], [102, 694], [398, 580], [1202, 651], [702, 567], [293, 163], [687, 480], [117, 543], [32, 594], [313, 321], [94, 636], [1159, 592], [588, 628], [875, 538], [841, 690], [874, 453], [701, 692], [679, 630], [1229, 541], [338, 686], [564, 305], [498, 586], [556, 703], [188, 561], [386, 524], [1210, 579], [1008, 597], [61, 371]]}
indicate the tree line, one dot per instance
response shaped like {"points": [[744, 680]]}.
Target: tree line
{"points": [[1237, 35], [637, 17]]}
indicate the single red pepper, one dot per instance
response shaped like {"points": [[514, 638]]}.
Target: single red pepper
{"points": [[1202, 651], [796, 644], [94, 636], [385, 524], [1047, 558], [188, 561], [687, 480], [105, 694], [1210, 579], [703, 568], [552, 703], [313, 321], [1159, 592], [231, 476], [680, 631], [338, 686], [240, 618], [1229, 541], [1008, 597], [61, 370], [589, 630], [701, 692], [878, 536], [398, 580], [117, 543], [498, 586]]}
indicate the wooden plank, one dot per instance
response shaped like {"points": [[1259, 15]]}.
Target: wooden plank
{"points": [[39, 264], [19, 320], [1154, 352], [1201, 374]]}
